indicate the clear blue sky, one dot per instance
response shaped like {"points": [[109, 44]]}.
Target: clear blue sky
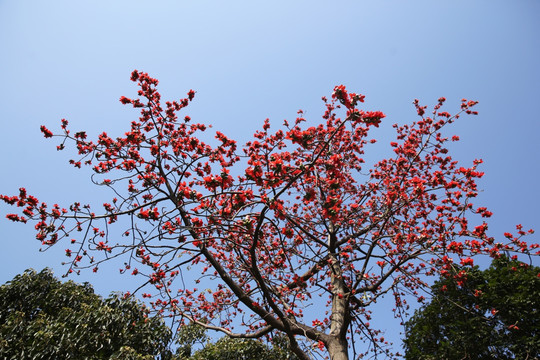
{"points": [[249, 60]]}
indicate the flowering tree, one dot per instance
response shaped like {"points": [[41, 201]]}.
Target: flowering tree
{"points": [[291, 221]]}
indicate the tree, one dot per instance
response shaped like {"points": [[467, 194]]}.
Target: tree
{"points": [[291, 222], [228, 348], [43, 318], [495, 314]]}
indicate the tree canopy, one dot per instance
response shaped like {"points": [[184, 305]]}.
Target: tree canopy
{"points": [[495, 314], [228, 348], [43, 318], [290, 233]]}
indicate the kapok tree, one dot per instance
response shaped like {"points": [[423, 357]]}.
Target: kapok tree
{"points": [[290, 222]]}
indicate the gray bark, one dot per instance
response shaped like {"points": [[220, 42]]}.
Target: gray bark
{"points": [[338, 349], [340, 319]]}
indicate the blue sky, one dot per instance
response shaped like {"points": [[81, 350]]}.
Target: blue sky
{"points": [[250, 60]]}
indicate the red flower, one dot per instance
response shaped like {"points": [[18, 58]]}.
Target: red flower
{"points": [[124, 100], [46, 132]]}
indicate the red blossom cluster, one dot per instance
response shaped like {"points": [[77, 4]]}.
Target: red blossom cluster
{"points": [[291, 218]]}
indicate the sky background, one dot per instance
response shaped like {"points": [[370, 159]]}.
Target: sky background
{"points": [[251, 60]]}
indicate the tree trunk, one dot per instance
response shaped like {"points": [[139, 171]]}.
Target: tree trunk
{"points": [[338, 349], [339, 320]]}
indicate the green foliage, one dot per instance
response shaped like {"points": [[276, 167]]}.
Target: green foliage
{"points": [[228, 348], [189, 335], [494, 315], [238, 349], [43, 318]]}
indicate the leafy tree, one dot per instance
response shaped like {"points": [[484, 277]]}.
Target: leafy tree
{"points": [[228, 348], [495, 314], [291, 222], [43, 318]]}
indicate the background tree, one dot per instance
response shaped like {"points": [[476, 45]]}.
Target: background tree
{"points": [[291, 222], [43, 318], [495, 314], [228, 348]]}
